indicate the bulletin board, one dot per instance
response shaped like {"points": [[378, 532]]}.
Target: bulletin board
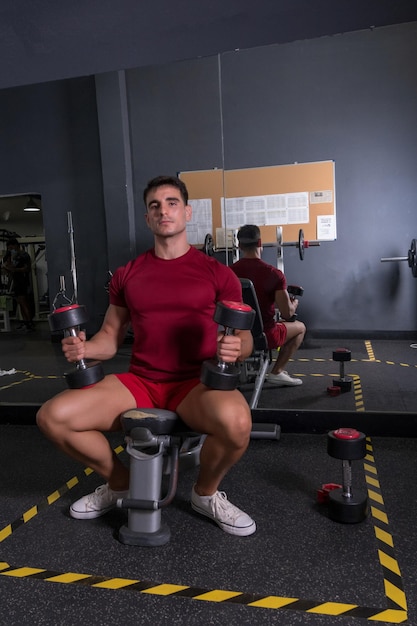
{"points": [[316, 179]]}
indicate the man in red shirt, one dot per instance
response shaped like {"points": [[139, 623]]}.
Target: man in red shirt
{"points": [[271, 289], [168, 295]]}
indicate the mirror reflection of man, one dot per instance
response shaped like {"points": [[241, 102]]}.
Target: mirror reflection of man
{"points": [[17, 264]]}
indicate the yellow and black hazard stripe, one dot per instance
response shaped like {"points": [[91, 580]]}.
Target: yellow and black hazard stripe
{"points": [[358, 394], [390, 615], [369, 350], [394, 589], [395, 613], [43, 504], [27, 377]]}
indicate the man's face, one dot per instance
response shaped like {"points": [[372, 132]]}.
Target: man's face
{"points": [[167, 214]]}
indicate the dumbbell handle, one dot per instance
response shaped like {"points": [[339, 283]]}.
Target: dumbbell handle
{"points": [[222, 364], [347, 478], [81, 363]]}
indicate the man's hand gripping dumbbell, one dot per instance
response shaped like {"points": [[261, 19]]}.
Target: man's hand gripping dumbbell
{"points": [[295, 292], [69, 319], [222, 373]]}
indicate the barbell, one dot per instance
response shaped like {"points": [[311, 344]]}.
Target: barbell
{"points": [[411, 258], [301, 244], [208, 246]]}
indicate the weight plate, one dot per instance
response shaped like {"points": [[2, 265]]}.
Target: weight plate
{"points": [[412, 257], [208, 247], [301, 244], [279, 242]]}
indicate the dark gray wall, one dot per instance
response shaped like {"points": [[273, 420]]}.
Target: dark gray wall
{"points": [[48, 40], [50, 142], [351, 98]]}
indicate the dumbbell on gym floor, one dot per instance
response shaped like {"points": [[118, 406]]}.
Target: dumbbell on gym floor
{"points": [[68, 319], [346, 506], [294, 292], [341, 355], [231, 315]]}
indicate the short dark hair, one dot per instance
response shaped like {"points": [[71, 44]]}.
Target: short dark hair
{"points": [[12, 242], [249, 236], [172, 181]]}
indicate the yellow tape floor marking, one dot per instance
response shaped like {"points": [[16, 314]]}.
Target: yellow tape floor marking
{"points": [[393, 592], [393, 584], [369, 350], [390, 615], [53, 497], [29, 378]]}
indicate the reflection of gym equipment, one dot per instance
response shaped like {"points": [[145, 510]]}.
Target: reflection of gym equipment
{"points": [[255, 367], [347, 444], [411, 258], [301, 244], [35, 247], [294, 292], [231, 315], [69, 319], [208, 245], [344, 383]]}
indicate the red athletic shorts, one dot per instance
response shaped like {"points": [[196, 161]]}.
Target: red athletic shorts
{"points": [[150, 394], [276, 336]]}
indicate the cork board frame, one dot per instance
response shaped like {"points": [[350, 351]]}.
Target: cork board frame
{"points": [[316, 178]]}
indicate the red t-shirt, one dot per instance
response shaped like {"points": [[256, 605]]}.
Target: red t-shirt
{"points": [[266, 280], [171, 305]]}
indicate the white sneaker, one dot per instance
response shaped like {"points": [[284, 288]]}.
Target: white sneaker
{"points": [[283, 380], [95, 504], [218, 508]]}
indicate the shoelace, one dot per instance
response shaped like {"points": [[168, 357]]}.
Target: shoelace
{"points": [[95, 497], [222, 508]]}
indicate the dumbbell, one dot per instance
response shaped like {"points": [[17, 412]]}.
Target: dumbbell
{"points": [[341, 355], [231, 315], [347, 444], [294, 292], [67, 319]]}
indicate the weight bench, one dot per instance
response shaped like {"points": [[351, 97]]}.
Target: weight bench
{"points": [[255, 367], [159, 444]]}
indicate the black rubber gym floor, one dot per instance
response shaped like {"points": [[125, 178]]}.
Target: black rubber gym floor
{"points": [[300, 567]]}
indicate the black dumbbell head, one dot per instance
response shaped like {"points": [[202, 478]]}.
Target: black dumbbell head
{"points": [[347, 444], [67, 317], [348, 510], [234, 315], [224, 377], [81, 377], [295, 290], [342, 354]]}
